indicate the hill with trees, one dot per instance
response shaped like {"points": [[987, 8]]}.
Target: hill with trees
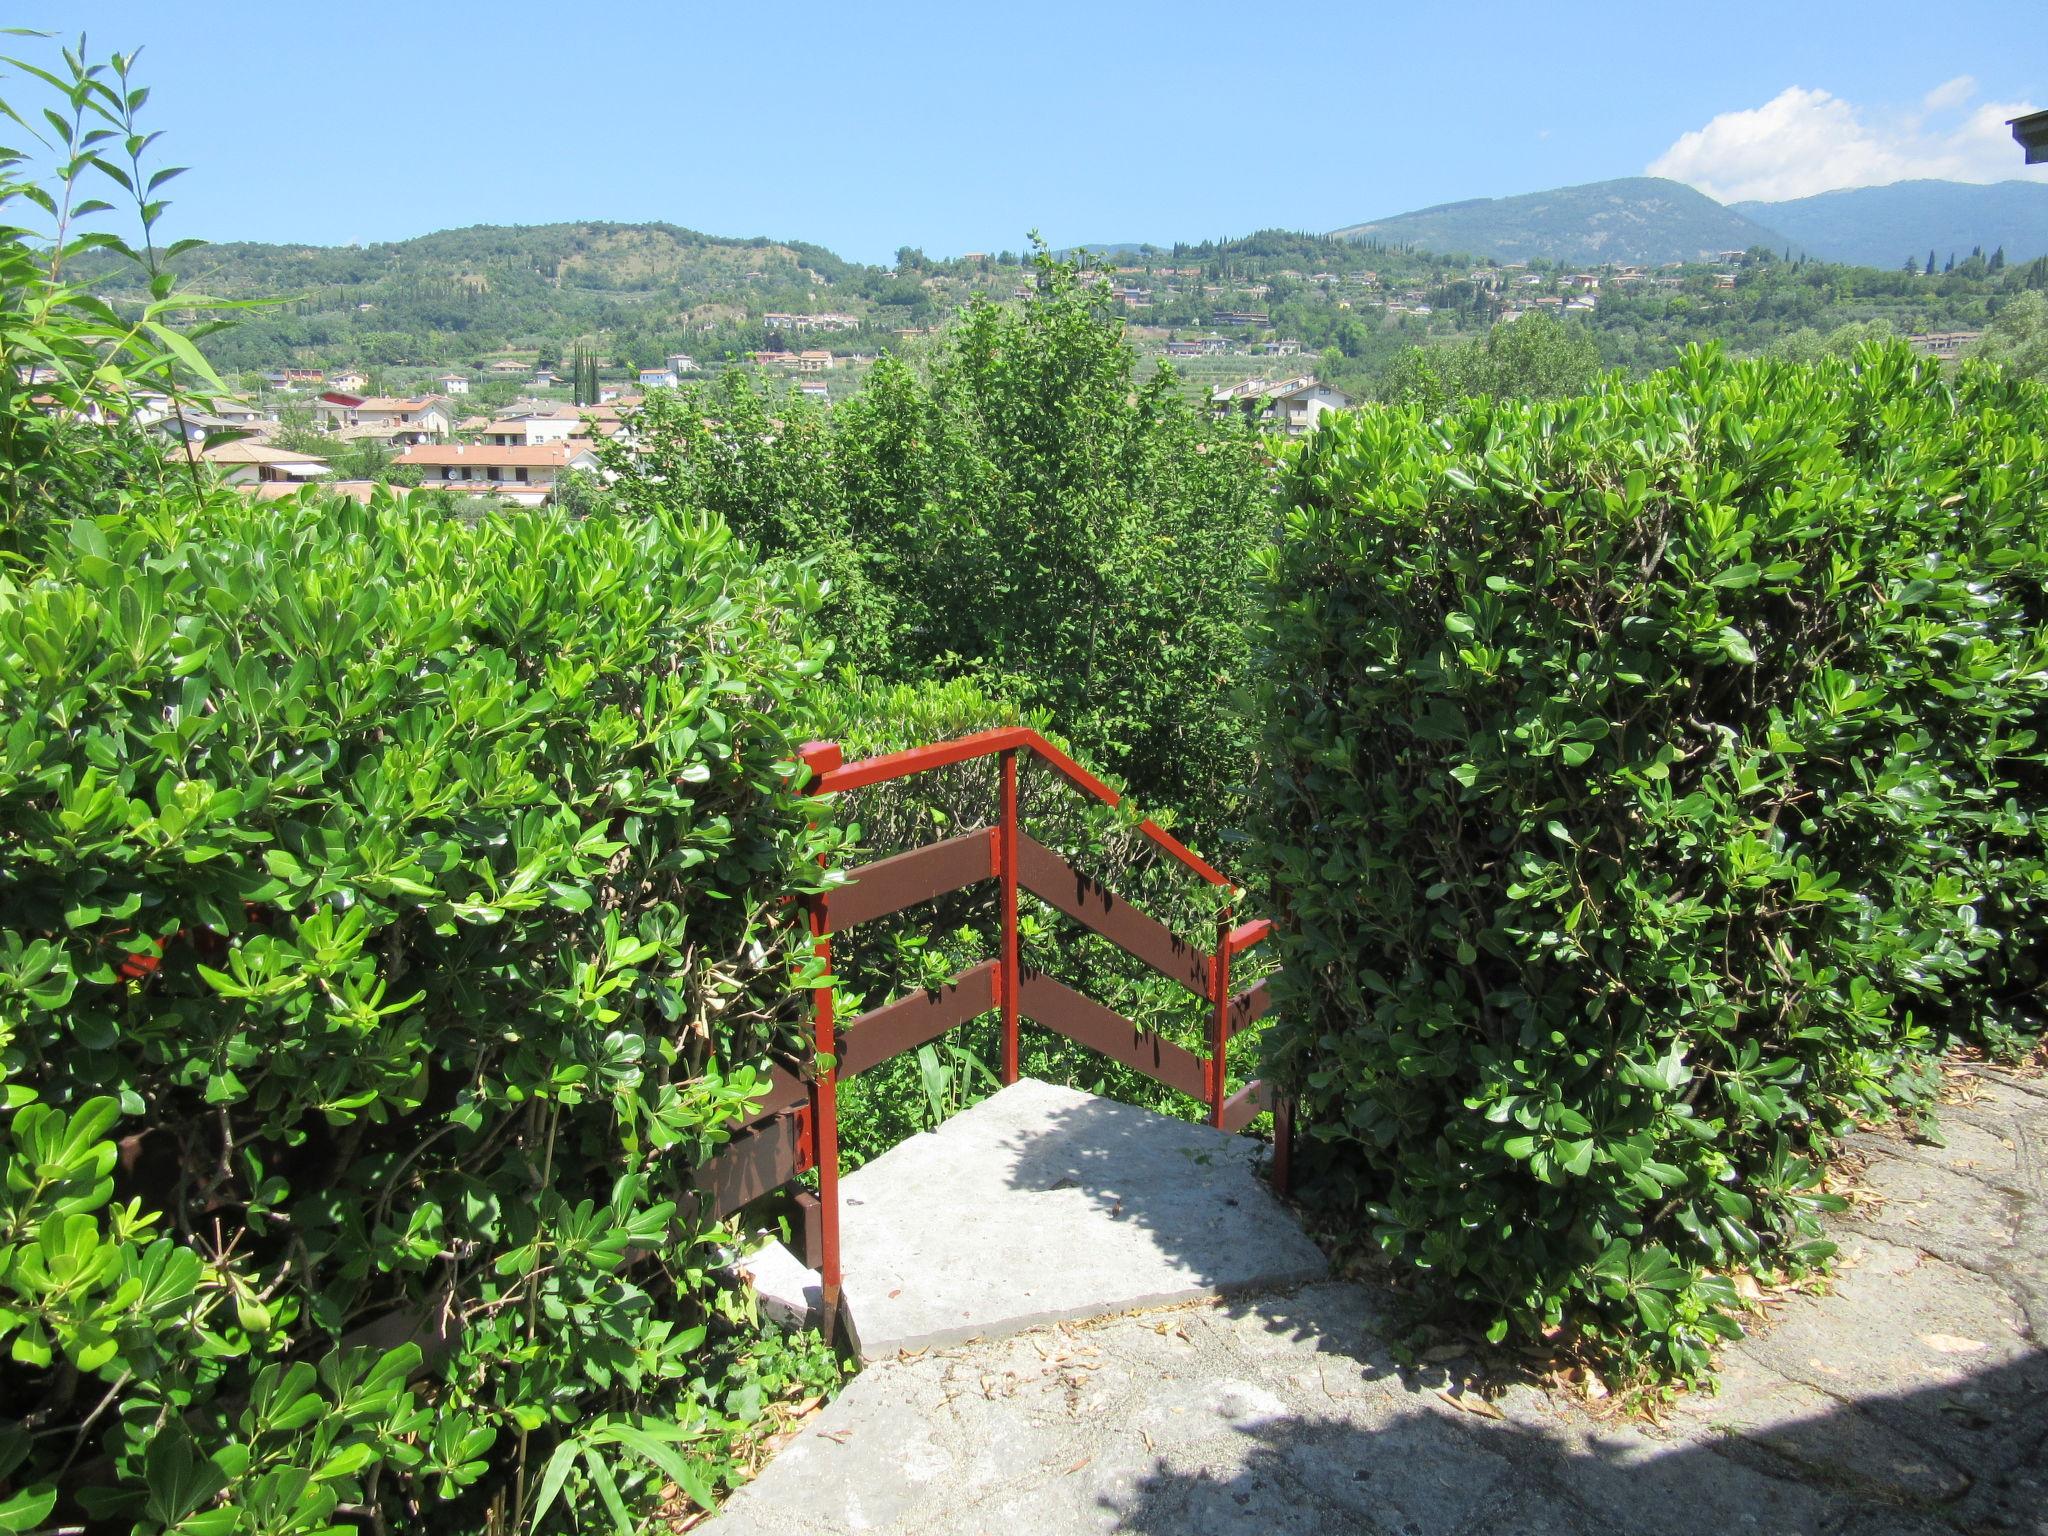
{"points": [[1880, 226], [641, 290], [1634, 219]]}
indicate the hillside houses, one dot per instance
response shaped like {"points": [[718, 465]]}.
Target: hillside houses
{"points": [[818, 322]]}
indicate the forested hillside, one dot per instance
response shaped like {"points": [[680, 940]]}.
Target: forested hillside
{"points": [[1881, 226], [1632, 218], [632, 293], [462, 294]]}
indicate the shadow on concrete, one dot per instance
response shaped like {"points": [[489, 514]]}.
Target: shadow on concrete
{"points": [[1199, 1194], [1965, 1457]]}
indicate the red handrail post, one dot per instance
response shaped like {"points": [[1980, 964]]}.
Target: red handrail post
{"points": [[1007, 975], [1219, 1020], [821, 757]]}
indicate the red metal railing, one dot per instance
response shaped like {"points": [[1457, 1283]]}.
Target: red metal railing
{"points": [[795, 1128]]}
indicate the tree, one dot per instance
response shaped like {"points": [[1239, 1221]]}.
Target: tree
{"points": [[2017, 338], [1538, 357], [1107, 527]]}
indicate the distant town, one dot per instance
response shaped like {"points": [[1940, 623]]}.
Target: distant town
{"points": [[351, 428]]}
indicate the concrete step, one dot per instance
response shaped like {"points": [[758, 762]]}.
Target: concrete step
{"points": [[1042, 1204]]}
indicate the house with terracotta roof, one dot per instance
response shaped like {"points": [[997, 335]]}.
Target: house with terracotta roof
{"points": [[453, 383], [402, 422], [248, 463], [525, 475]]}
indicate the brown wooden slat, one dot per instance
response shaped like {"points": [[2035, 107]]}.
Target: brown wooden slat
{"points": [[1249, 1006], [1093, 905], [908, 1022], [786, 1090], [905, 879], [1059, 1007], [750, 1165], [1246, 1105]]}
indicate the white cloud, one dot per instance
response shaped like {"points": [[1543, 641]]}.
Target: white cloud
{"points": [[1950, 94], [1805, 141]]}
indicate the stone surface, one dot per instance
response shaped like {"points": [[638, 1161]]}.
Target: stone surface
{"points": [[788, 1294], [1043, 1203], [1911, 1399]]}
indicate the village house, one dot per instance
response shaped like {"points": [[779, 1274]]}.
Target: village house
{"points": [[529, 428], [246, 463], [1944, 343], [350, 381], [525, 476], [453, 383], [1197, 346], [658, 378], [1278, 348], [815, 389], [245, 414], [681, 362], [1293, 405], [1242, 317], [504, 367], [425, 420]]}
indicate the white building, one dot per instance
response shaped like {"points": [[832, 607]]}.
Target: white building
{"points": [[1293, 405], [531, 428]]}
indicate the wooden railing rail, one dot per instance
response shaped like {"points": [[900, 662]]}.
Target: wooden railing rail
{"points": [[795, 1126]]}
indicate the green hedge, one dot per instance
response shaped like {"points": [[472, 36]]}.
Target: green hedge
{"points": [[1654, 784], [389, 912]]}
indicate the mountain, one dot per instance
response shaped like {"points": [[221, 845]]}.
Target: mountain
{"points": [[1880, 226], [1635, 218]]}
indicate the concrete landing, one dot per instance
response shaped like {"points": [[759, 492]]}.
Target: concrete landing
{"points": [[1043, 1204], [1909, 1397]]}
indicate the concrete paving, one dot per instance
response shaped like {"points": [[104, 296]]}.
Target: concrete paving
{"points": [[1911, 1399], [1043, 1203]]}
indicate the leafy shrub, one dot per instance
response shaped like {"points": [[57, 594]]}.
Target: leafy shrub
{"points": [[389, 914], [1655, 783], [70, 360]]}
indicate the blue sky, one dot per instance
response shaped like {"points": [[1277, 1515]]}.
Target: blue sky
{"points": [[961, 127]]}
